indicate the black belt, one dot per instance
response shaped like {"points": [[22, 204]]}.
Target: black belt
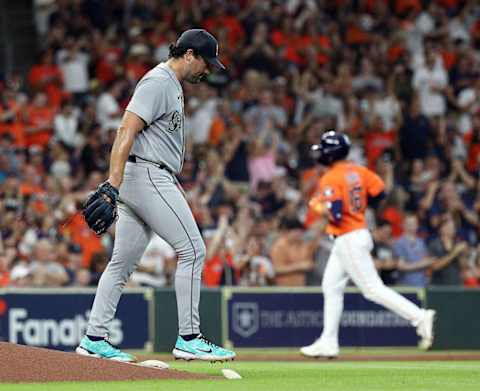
{"points": [[138, 159]]}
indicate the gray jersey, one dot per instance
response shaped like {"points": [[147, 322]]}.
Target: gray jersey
{"points": [[158, 100]]}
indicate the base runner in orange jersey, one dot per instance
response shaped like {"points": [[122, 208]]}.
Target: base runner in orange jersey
{"points": [[343, 194]]}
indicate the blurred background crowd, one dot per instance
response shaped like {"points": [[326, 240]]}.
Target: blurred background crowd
{"points": [[400, 77]]}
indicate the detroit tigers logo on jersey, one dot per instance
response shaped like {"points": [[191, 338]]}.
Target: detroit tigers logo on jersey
{"points": [[175, 122]]}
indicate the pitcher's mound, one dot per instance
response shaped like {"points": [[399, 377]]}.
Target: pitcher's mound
{"points": [[20, 364]]}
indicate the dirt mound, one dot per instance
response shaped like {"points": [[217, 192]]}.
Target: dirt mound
{"points": [[22, 364]]}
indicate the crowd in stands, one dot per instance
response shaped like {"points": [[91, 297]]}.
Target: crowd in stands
{"points": [[400, 77]]}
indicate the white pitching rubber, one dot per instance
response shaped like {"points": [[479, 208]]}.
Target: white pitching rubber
{"points": [[154, 364], [231, 374]]}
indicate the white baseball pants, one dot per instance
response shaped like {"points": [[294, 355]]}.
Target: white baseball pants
{"points": [[350, 258]]}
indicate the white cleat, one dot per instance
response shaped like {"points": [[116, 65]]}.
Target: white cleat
{"points": [[318, 350], [425, 330]]}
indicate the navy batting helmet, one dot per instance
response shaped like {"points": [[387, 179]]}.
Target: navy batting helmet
{"points": [[333, 146]]}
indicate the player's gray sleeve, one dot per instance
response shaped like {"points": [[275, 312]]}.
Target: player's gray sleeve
{"points": [[149, 101]]}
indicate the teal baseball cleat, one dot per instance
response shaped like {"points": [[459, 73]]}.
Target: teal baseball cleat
{"points": [[102, 349], [201, 348]]}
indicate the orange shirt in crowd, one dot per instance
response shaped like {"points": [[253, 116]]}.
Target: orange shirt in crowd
{"points": [[351, 184], [449, 59], [18, 131], [404, 6], [217, 130], [107, 63], [278, 38], [16, 128], [47, 78], [376, 142], [40, 116], [79, 233], [324, 43], [28, 189], [235, 32], [213, 269], [356, 36], [473, 157], [395, 52], [135, 70], [291, 45], [35, 191], [295, 48], [395, 218]]}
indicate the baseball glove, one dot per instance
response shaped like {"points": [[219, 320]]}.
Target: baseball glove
{"points": [[100, 208]]}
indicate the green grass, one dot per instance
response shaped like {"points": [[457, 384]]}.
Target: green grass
{"points": [[302, 376]]}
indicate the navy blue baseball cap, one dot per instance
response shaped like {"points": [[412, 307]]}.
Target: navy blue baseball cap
{"points": [[203, 43]]}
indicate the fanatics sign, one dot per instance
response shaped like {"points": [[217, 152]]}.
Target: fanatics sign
{"points": [[57, 319]]}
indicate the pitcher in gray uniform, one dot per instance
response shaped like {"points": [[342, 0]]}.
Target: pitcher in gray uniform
{"points": [[148, 151]]}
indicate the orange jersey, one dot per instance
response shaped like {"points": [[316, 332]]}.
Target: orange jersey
{"points": [[351, 184]]}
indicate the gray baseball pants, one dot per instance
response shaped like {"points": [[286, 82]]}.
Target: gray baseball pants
{"points": [[150, 200]]}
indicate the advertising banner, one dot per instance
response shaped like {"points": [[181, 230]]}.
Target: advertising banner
{"points": [[281, 319], [57, 319], [458, 320]]}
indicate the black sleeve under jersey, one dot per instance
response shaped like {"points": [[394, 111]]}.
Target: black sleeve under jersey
{"points": [[375, 200]]}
